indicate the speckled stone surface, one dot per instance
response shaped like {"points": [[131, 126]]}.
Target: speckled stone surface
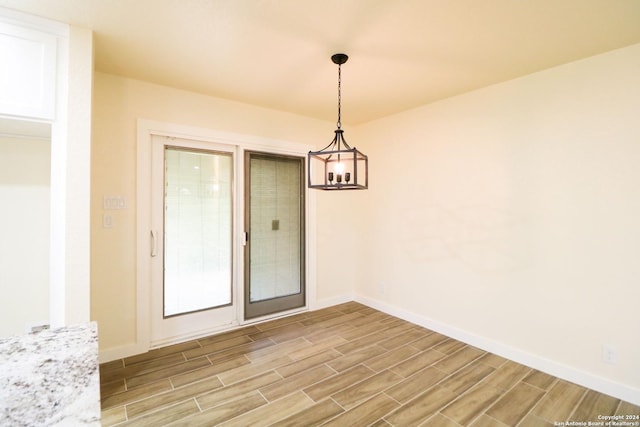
{"points": [[51, 378]]}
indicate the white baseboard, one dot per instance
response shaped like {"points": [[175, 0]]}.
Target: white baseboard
{"points": [[328, 302], [551, 367], [121, 352]]}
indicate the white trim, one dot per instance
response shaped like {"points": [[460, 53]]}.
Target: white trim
{"points": [[120, 352], [145, 129], [278, 315], [34, 22], [329, 302], [551, 367], [143, 222], [249, 142], [26, 137], [60, 143], [205, 332], [69, 186], [52, 37]]}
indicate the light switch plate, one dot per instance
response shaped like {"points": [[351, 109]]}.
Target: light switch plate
{"points": [[113, 202], [107, 221]]}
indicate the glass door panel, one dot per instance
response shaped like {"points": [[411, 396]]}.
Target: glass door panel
{"points": [[197, 230], [274, 216]]}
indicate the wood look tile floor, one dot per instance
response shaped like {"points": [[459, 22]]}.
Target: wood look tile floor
{"points": [[347, 365]]}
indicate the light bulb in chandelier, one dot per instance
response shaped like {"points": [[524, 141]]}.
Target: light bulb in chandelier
{"points": [[339, 174]]}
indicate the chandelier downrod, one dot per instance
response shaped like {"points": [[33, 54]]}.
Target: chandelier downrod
{"points": [[339, 59]]}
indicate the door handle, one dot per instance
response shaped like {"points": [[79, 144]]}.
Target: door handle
{"points": [[154, 243]]}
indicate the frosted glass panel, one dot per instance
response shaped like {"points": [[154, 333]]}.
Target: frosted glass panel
{"points": [[198, 226], [275, 228]]}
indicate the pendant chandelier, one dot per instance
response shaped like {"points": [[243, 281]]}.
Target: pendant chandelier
{"points": [[338, 166]]}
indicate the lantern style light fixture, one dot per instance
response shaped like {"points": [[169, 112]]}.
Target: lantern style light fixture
{"points": [[338, 166]]}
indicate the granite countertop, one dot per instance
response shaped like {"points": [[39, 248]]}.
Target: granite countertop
{"points": [[51, 378]]}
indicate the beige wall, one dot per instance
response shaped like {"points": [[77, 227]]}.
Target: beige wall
{"points": [[510, 215], [24, 227], [507, 215], [118, 103]]}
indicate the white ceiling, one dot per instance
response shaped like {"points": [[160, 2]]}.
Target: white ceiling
{"points": [[403, 53]]}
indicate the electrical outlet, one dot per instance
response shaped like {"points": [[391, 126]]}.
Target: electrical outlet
{"points": [[609, 354], [381, 288]]}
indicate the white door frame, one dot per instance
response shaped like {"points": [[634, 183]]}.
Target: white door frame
{"points": [[147, 128]]}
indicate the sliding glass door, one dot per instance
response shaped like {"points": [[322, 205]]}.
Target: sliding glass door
{"points": [[201, 278]]}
